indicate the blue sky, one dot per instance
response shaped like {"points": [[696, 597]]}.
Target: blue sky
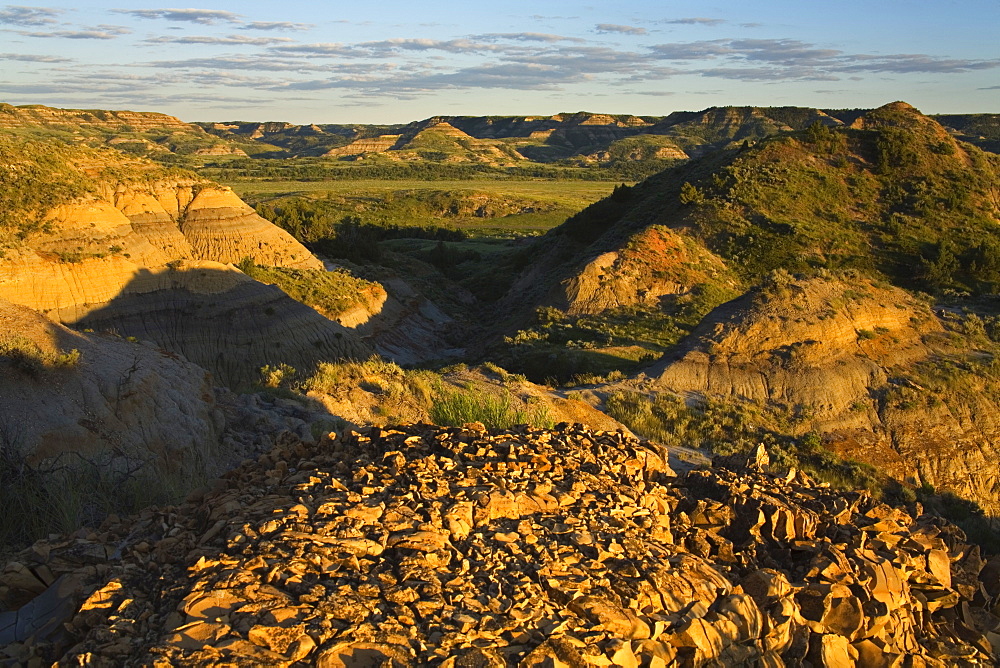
{"points": [[390, 61]]}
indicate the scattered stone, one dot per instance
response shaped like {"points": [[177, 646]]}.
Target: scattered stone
{"points": [[418, 545]]}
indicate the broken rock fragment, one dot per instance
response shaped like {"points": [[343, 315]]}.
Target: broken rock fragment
{"points": [[418, 545]]}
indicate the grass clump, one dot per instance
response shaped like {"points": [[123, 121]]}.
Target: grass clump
{"points": [[375, 375], [417, 394], [496, 411], [398, 395], [74, 490], [328, 292], [26, 357]]}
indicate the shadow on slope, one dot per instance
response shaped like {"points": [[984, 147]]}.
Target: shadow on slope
{"points": [[227, 323]]}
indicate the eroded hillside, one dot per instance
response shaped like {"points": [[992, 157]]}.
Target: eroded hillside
{"points": [[864, 216]]}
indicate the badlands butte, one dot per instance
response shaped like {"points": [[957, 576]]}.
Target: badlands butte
{"points": [[737, 408]]}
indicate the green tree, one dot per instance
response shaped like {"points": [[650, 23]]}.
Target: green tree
{"points": [[940, 271], [818, 133], [690, 194]]}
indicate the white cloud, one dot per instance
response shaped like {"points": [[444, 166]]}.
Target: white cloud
{"points": [[29, 58], [100, 32], [696, 20], [276, 25], [29, 16], [203, 16], [614, 27], [228, 40]]}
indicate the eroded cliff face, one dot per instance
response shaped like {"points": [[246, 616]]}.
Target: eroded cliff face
{"points": [[98, 248], [223, 228], [866, 365]]}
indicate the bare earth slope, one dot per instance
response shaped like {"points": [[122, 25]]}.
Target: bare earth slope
{"points": [[458, 547], [138, 402]]}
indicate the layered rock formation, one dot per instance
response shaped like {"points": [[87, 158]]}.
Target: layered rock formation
{"points": [[136, 121], [152, 258], [867, 366], [137, 133], [223, 228], [424, 546], [364, 146], [100, 247], [221, 149], [437, 137]]}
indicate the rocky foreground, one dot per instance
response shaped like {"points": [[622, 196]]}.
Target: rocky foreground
{"points": [[422, 545]]}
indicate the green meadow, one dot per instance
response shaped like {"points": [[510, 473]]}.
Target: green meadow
{"points": [[480, 208]]}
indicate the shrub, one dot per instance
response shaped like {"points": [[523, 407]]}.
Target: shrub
{"points": [[690, 194], [275, 376]]}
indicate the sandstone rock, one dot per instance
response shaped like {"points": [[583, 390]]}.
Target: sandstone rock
{"points": [[364, 655], [614, 619], [405, 546]]}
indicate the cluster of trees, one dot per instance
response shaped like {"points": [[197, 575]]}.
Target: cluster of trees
{"points": [[323, 227], [320, 169]]}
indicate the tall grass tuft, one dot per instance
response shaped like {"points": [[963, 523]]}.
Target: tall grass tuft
{"points": [[73, 491], [455, 408], [27, 357]]}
